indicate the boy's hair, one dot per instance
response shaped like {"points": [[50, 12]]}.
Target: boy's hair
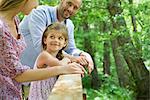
{"points": [[61, 28], [9, 4]]}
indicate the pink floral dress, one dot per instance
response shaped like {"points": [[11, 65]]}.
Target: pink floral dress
{"points": [[10, 66], [40, 90]]}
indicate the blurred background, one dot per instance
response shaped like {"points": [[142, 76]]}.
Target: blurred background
{"points": [[117, 35]]}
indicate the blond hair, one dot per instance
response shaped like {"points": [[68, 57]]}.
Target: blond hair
{"points": [[9, 4]]}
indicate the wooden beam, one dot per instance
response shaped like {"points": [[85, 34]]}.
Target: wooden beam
{"points": [[67, 87]]}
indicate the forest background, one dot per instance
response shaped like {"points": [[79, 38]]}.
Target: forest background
{"points": [[117, 35]]}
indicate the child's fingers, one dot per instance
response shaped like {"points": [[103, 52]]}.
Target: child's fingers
{"points": [[82, 68]]}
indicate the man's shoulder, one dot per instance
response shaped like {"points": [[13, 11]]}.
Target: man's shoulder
{"points": [[45, 7], [42, 10], [69, 22]]}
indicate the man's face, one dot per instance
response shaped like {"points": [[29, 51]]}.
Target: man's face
{"points": [[69, 8]]}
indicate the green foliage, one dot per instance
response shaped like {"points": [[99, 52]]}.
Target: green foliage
{"points": [[21, 16], [143, 20], [141, 38], [48, 2], [110, 90]]}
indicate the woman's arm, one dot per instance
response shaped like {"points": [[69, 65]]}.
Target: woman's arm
{"points": [[38, 74], [44, 73]]}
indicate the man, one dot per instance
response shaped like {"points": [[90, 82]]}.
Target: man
{"points": [[33, 26]]}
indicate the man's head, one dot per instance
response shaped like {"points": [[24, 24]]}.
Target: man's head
{"points": [[68, 8]]}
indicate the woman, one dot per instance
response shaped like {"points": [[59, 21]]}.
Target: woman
{"points": [[12, 72]]}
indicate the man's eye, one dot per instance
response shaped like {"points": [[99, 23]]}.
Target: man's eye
{"points": [[69, 4], [75, 7]]}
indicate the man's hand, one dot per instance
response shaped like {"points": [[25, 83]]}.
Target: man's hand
{"points": [[84, 59], [89, 60]]}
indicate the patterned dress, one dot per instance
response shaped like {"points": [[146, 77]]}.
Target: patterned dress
{"points": [[10, 66], [40, 90]]}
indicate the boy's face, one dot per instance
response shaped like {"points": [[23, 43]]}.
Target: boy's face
{"points": [[69, 8]]}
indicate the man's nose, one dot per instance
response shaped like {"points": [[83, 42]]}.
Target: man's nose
{"points": [[70, 9]]}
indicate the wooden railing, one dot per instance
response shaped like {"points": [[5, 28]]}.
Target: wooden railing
{"points": [[67, 87]]}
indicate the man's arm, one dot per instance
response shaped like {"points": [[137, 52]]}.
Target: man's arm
{"points": [[37, 25], [75, 51]]}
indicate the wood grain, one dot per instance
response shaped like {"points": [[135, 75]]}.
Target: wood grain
{"points": [[67, 87]]}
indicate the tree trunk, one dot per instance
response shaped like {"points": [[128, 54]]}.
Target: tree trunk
{"points": [[106, 60], [133, 59], [137, 67], [133, 19], [121, 66], [95, 81], [104, 28]]}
